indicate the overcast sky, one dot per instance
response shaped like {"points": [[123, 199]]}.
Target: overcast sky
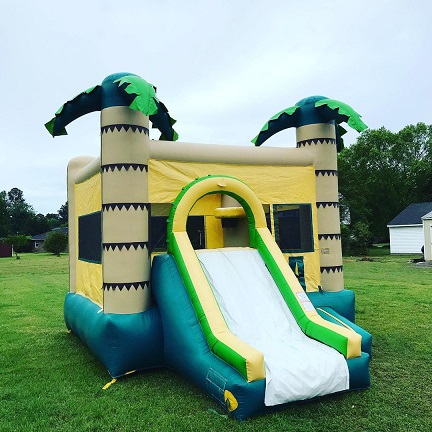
{"points": [[222, 68]]}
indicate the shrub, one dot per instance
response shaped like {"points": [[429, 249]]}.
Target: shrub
{"points": [[21, 243], [356, 239], [55, 242]]}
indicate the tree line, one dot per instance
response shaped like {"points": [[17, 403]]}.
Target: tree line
{"points": [[19, 221], [379, 176]]}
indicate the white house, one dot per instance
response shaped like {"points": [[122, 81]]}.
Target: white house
{"points": [[427, 232], [406, 229]]}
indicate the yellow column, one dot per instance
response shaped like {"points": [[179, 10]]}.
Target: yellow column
{"points": [[236, 235]]}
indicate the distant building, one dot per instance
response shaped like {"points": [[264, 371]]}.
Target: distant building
{"points": [[38, 240], [427, 231], [406, 229], [6, 250]]}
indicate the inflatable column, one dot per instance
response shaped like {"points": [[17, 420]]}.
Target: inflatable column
{"points": [[316, 120], [125, 208], [126, 102], [234, 222], [320, 139]]}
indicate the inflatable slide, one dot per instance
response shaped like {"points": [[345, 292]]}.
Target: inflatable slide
{"points": [[245, 328]]}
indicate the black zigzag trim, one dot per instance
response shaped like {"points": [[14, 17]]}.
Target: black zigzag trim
{"points": [[325, 204], [127, 285], [315, 141], [127, 246], [126, 127], [127, 206], [326, 172], [126, 166], [329, 236], [332, 269]]}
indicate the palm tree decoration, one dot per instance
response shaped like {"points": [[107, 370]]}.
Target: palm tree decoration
{"points": [[127, 103], [312, 110], [121, 89], [317, 121]]}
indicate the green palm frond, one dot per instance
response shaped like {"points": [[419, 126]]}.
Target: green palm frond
{"points": [[145, 100], [282, 120], [89, 90], [120, 89], [341, 112], [50, 125], [288, 111], [81, 104]]}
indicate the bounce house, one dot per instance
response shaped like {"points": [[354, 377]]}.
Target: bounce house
{"points": [[223, 263]]}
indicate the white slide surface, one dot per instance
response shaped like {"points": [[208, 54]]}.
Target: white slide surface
{"points": [[297, 367]]}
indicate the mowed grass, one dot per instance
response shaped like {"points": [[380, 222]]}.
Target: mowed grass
{"points": [[49, 381]]}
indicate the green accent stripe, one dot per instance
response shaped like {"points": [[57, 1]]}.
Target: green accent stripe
{"points": [[310, 328], [216, 346], [249, 214]]}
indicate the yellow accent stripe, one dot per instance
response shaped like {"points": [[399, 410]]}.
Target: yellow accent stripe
{"points": [[229, 212], [254, 358], [230, 401], [216, 184], [353, 338], [336, 319], [108, 385]]}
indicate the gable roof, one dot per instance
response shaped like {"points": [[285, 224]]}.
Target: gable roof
{"points": [[412, 215], [42, 237], [39, 237]]}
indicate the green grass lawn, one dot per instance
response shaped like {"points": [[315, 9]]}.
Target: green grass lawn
{"points": [[49, 381]]}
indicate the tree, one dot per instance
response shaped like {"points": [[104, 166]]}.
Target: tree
{"points": [[52, 221], [356, 239], [21, 214], [17, 217], [20, 242], [56, 242], [383, 172], [63, 214], [37, 224], [4, 215]]}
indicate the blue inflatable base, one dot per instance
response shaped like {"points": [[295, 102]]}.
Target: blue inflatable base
{"points": [[132, 342], [339, 308], [343, 302], [186, 350], [122, 342]]}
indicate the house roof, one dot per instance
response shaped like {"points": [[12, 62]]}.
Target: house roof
{"points": [[39, 237], [427, 216], [42, 237], [412, 215]]}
